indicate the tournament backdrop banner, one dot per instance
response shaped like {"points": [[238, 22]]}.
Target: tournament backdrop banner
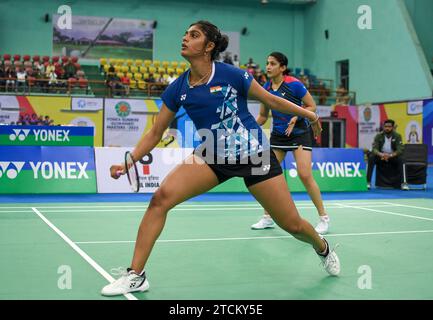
{"points": [[126, 120], [46, 136], [334, 169], [58, 109], [94, 37], [408, 119], [368, 125], [9, 109], [428, 127], [152, 169], [40, 169]]}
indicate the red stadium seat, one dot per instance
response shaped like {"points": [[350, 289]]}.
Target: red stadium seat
{"points": [[17, 57], [74, 59], [65, 59], [55, 59], [77, 66], [72, 81], [6, 56], [36, 58], [45, 59], [31, 80], [83, 82], [26, 57]]}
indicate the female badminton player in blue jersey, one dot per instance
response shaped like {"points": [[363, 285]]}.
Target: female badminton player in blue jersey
{"points": [[215, 97], [291, 133]]}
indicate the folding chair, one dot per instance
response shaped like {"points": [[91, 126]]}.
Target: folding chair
{"points": [[415, 165]]}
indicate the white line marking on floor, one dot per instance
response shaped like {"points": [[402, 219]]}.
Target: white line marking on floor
{"points": [[387, 212], [408, 206], [84, 255], [260, 238]]}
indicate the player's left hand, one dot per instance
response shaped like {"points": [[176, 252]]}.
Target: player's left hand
{"points": [[317, 128], [290, 126]]}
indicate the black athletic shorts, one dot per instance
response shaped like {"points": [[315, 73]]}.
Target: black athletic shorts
{"points": [[262, 167], [289, 143]]}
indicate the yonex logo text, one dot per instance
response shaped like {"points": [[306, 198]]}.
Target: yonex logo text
{"points": [[10, 169], [59, 170], [40, 135], [332, 169], [20, 134]]}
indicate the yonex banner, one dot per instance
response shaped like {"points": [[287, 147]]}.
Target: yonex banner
{"points": [[46, 136], [334, 169], [41, 169]]}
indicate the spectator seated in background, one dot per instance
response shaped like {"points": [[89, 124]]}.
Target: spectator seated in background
{"points": [[341, 93], [260, 77], [70, 69], [10, 76], [171, 77], [387, 150], [2, 81], [228, 58], [126, 82], [236, 62], [21, 79]]}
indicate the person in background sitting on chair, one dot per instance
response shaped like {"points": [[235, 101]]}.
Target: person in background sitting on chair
{"points": [[387, 146]]}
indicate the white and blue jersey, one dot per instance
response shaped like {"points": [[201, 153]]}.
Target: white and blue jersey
{"points": [[292, 90], [220, 106]]}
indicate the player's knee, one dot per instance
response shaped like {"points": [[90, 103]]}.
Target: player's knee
{"points": [[294, 227], [160, 199], [305, 176]]}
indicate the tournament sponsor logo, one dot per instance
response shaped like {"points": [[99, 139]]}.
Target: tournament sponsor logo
{"points": [[332, 169], [10, 169], [123, 109], [44, 135], [20, 134], [45, 170]]}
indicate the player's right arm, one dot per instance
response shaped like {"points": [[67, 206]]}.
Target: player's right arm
{"points": [[149, 140]]}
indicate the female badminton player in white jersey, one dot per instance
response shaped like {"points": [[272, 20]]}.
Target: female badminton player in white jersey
{"points": [[215, 97], [291, 133]]}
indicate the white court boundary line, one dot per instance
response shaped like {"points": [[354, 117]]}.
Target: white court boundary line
{"points": [[181, 206], [84, 255], [259, 238], [387, 212], [409, 206], [177, 208]]}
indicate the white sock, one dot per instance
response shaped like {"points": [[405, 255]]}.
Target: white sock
{"points": [[325, 218]]}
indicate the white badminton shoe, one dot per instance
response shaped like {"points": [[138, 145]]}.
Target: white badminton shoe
{"points": [[265, 222], [128, 282], [330, 262]]}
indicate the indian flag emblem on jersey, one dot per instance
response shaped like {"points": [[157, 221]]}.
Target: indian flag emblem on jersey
{"points": [[216, 89]]}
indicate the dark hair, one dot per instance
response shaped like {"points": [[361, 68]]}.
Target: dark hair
{"points": [[282, 60], [214, 35], [389, 121]]}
